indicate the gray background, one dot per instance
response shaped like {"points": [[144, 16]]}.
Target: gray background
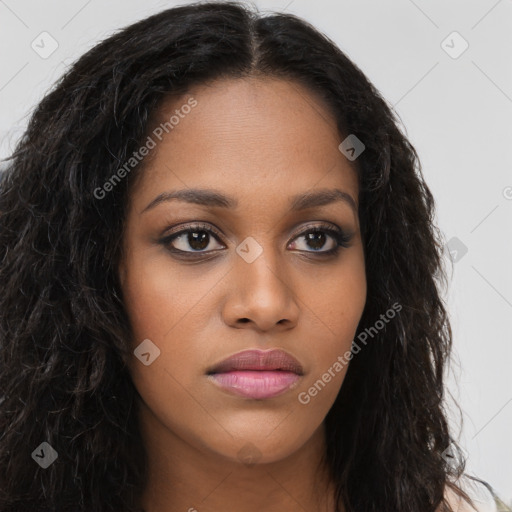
{"points": [[456, 112]]}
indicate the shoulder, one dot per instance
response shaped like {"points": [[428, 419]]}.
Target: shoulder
{"points": [[478, 491]]}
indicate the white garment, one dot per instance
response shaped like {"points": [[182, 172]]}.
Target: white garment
{"points": [[478, 492]]}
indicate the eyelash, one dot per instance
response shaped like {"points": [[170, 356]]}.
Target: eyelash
{"points": [[341, 238]]}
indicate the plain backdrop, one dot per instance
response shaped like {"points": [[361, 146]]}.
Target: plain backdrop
{"points": [[446, 67]]}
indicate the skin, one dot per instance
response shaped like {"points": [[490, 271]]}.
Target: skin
{"points": [[260, 141]]}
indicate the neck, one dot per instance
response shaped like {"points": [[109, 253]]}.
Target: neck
{"points": [[188, 477]]}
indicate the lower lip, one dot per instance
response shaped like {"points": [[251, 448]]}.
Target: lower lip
{"points": [[256, 384]]}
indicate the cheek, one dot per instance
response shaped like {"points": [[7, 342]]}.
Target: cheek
{"points": [[177, 310], [166, 309], [336, 297], [160, 299], [334, 308], [341, 306]]}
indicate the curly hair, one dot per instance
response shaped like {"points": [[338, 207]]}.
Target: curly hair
{"points": [[64, 331]]}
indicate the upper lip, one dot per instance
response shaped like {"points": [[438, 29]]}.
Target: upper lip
{"points": [[273, 359]]}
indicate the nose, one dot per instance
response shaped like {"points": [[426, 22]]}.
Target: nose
{"points": [[261, 295]]}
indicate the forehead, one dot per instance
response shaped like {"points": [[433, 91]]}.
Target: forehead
{"points": [[246, 137]]}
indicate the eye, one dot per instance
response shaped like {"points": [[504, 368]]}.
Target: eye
{"points": [[198, 238], [322, 239], [201, 239]]}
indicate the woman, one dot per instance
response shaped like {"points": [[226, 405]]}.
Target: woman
{"points": [[221, 283]]}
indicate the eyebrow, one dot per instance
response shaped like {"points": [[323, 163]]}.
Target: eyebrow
{"points": [[214, 198]]}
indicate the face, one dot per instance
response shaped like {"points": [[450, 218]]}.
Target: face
{"points": [[261, 268]]}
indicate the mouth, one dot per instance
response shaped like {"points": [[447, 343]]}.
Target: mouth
{"points": [[257, 374]]}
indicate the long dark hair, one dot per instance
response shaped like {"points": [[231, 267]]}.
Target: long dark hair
{"points": [[64, 331]]}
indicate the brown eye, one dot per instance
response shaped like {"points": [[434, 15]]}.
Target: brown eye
{"points": [[193, 239], [315, 240]]}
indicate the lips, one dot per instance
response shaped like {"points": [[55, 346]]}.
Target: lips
{"points": [[259, 360], [256, 374]]}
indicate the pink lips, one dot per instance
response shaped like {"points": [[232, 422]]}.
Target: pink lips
{"points": [[257, 374]]}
